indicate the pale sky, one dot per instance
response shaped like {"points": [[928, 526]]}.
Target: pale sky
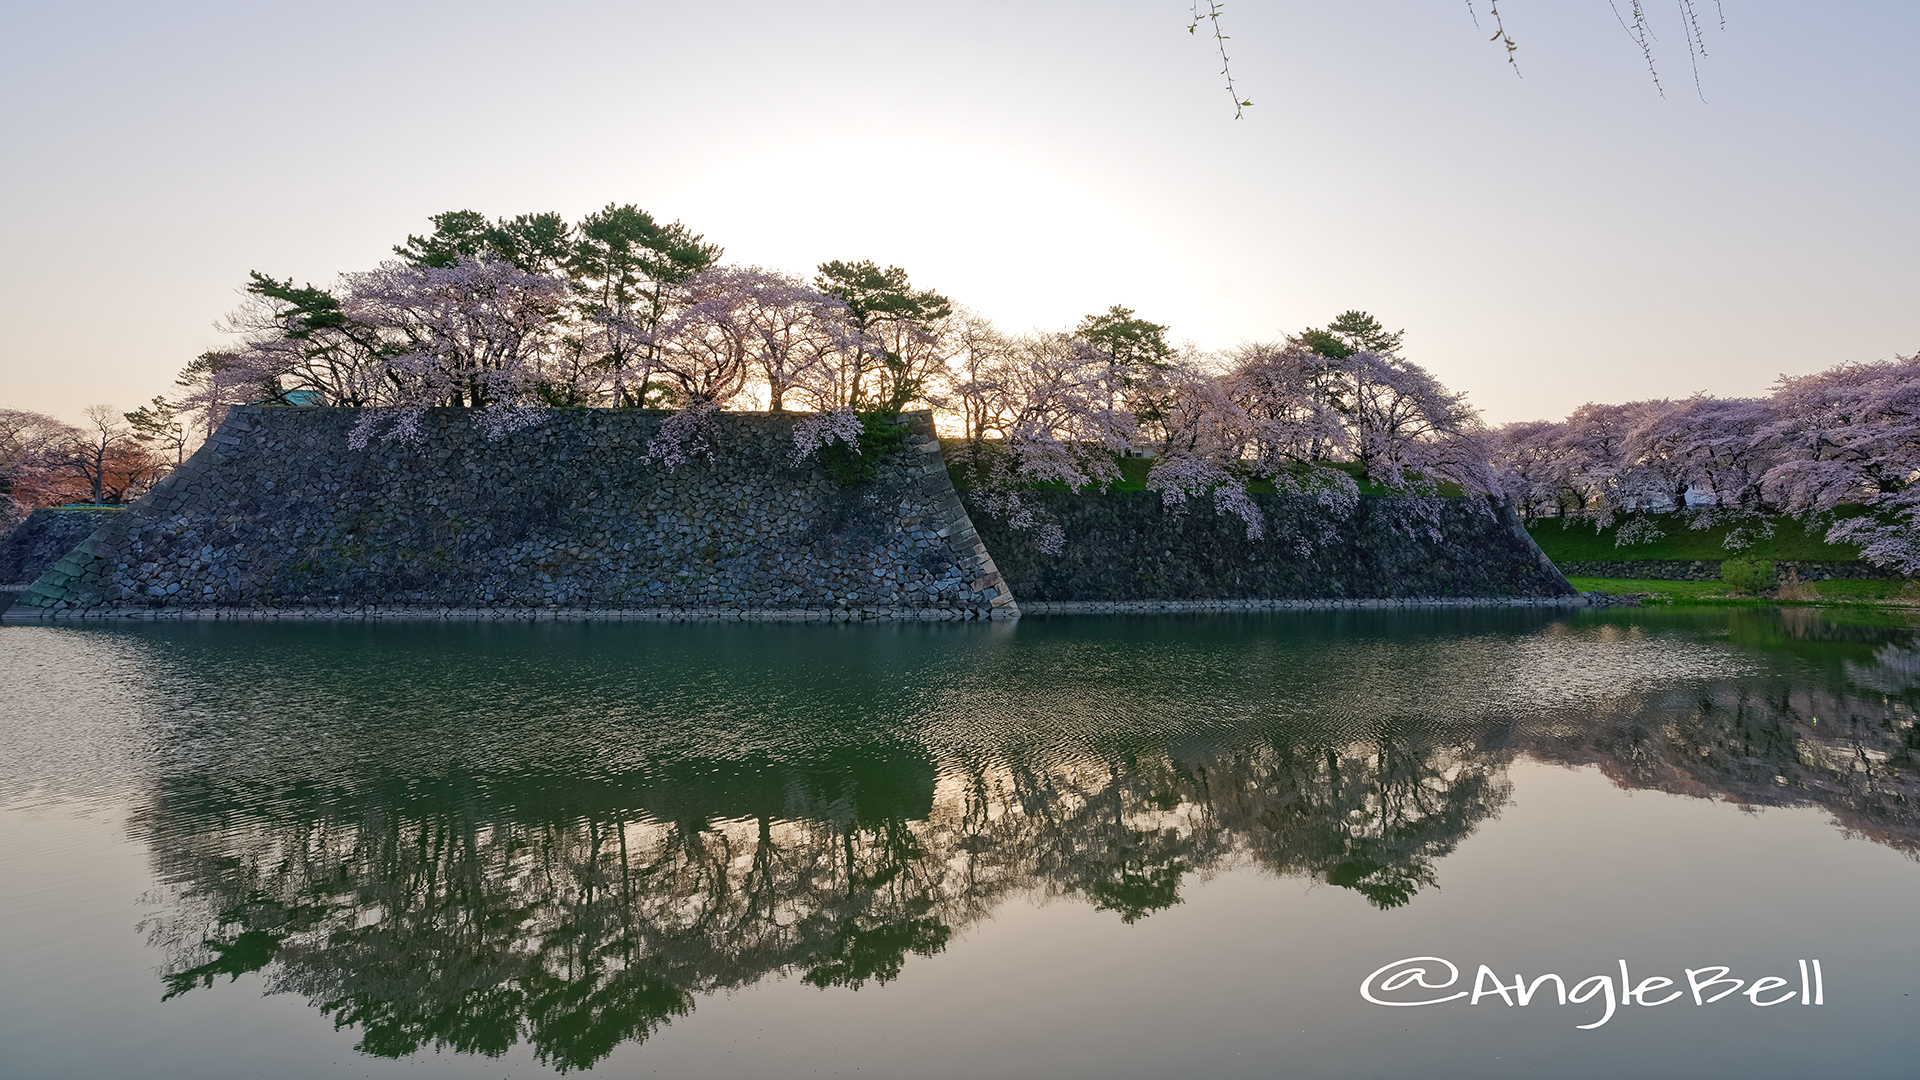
{"points": [[1546, 240]]}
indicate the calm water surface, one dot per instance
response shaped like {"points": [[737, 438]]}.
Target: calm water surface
{"points": [[1070, 847]]}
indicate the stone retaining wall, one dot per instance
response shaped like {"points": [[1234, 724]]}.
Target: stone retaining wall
{"points": [[1127, 547], [34, 545], [275, 515], [277, 518], [425, 613]]}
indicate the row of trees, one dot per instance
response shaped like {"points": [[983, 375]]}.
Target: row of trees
{"points": [[111, 458], [1842, 440], [514, 315]]}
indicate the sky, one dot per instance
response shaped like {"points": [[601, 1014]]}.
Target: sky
{"points": [[1546, 237]]}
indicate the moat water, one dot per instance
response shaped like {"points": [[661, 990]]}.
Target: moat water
{"points": [[1681, 844]]}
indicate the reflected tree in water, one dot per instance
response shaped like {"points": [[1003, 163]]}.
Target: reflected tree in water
{"points": [[574, 911], [446, 917]]}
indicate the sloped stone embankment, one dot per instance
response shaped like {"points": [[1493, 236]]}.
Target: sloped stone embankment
{"points": [[277, 515]]}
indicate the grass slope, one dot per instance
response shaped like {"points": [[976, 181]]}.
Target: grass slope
{"points": [[1790, 540], [1716, 594]]}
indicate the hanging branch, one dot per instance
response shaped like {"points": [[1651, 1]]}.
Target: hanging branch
{"points": [[1212, 18], [1641, 32], [1642, 35], [1635, 22], [1500, 30]]}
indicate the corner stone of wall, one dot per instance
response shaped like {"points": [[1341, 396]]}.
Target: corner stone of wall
{"points": [[276, 516], [952, 522]]}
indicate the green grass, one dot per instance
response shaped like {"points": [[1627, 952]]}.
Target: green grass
{"points": [[1716, 593], [1663, 591], [1867, 591], [1791, 540]]}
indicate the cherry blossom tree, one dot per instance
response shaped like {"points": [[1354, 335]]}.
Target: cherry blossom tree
{"points": [[32, 446], [478, 333], [474, 331], [1714, 447], [524, 307], [1307, 409], [1603, 462], [1534, 467], [1851, 434], [1203, 438], [1288, 398], [816, 431], [1051, 397], [744, 331], [981, 382], [1407, 431], [1285, 414], [746, 325], [1845, 437]]}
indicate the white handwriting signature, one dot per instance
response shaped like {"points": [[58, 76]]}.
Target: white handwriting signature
{"points": [[1410, 983]]}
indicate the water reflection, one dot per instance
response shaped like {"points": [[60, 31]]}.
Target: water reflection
{"points": [[487, 838]]}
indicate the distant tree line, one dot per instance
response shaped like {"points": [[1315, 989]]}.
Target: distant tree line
{"points": [[515, 315], [511, 316], [111, 458], [1844, 440]]}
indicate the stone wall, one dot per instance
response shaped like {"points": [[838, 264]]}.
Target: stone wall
{"points": [[1127, 547], [34, 545], [276, 515], [1709, 570]]}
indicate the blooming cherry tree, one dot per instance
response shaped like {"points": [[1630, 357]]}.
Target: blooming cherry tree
{"points": [[1851, 434], [478, 333]]}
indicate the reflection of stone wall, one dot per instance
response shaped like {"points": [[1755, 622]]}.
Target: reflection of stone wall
{"points": [[1709, 570], [1127, 547], [277, 514]]}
